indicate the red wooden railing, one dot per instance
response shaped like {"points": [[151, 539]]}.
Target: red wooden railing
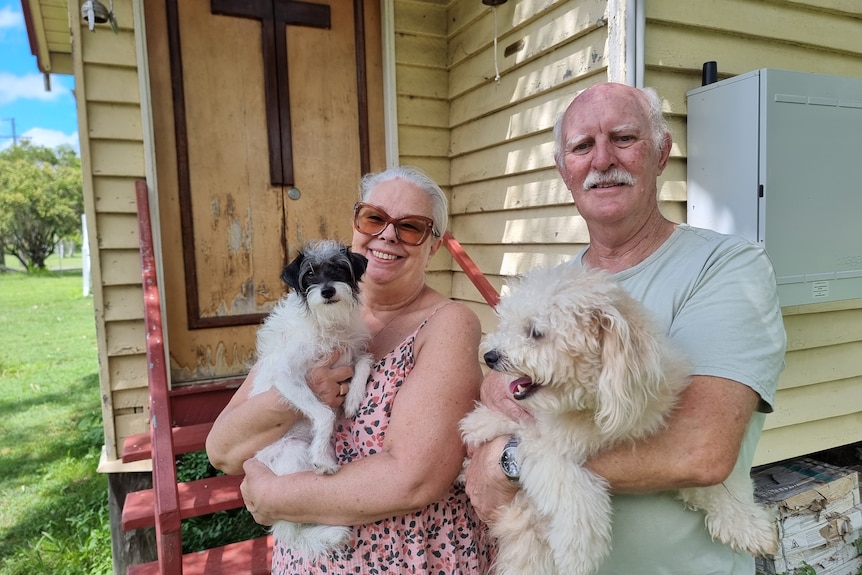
{"points": [[179, 423], [471, 269], [167, 502]]}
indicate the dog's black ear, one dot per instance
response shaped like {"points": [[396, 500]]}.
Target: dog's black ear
{"points": [[290, 274], [358, 263]]}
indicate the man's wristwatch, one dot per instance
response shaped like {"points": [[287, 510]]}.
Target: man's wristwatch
{"points": [[508, 462]]}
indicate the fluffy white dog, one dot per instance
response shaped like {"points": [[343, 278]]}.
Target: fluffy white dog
{"points": [[320, 316], [589, 367]]}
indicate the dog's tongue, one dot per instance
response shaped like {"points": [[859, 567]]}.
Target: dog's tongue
{"points": [[522, 387]]}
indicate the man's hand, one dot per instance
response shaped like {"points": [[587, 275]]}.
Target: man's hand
{"points": [[495, 394], [486, 485]]}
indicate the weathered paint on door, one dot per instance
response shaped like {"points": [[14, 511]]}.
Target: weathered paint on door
{"points": [[229, 221]]}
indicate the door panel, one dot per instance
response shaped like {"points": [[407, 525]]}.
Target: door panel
{"points": [[226, 230]]}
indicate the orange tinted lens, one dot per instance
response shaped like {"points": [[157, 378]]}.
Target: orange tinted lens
{"points": [[411, 231], [370, 220]]}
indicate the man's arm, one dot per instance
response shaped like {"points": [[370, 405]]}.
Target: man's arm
{"points": [[698, 447]]}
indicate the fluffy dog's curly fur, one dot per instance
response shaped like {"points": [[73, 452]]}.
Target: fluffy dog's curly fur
{"points": [[593, 372], [320, 316]]}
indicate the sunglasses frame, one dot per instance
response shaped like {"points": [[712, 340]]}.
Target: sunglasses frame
{"points": [[428, 230]]}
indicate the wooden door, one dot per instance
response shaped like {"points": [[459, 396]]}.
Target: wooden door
{"points": [[265, 114]]}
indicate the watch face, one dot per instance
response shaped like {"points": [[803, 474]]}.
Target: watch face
{"points": [[508, 463], [510, 468]]}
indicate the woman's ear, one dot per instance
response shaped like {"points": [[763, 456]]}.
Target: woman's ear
{"points": [[435, 245]]}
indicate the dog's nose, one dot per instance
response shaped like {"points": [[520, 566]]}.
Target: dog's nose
{"points": [[327, 292], [491, 358]]}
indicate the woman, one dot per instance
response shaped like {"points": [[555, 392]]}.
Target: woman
{"points": [[402, 452]]}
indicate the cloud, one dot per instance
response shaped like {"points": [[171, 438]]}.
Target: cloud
{"points": [[47, 138], [10, 18], [51, 138], [26, 87]]}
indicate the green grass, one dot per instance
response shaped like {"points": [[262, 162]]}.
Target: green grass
{"points": [[54, 262], [53, 504]]}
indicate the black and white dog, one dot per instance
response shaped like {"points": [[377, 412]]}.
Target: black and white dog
{"points": [[319, 316]]}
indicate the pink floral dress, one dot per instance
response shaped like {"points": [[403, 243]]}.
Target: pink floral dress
{"points": [[445, 538]]}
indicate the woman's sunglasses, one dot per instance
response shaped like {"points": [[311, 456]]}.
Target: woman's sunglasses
{"points": [[371, 221]]}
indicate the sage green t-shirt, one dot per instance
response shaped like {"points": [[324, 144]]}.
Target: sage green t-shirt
{"points": [[715, 296]]}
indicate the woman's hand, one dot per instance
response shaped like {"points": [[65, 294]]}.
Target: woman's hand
{"points": [[254, 489], [329, 381]]}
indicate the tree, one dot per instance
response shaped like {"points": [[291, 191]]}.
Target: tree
{"points": [[41, 201]]}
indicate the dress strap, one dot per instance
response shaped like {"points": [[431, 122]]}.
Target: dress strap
{"points": [[430, 315]]}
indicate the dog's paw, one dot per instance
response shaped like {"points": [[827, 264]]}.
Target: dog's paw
{"points": [[325, 465], [757, 536], [752, 530], [483, 424], [732, 517], [462, 476], [356, 391], [352, 403]]}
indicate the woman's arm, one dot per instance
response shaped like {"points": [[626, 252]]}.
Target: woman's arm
{"points": [[247, 424], [422, 453]]}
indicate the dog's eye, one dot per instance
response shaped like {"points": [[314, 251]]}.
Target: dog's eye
{"points": [[535, 333], [307, 279]]}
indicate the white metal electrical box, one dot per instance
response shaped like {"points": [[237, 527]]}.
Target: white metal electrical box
{"points": [[776, 157]]}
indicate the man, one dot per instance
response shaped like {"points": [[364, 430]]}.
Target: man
{"points": [[715, 295]]}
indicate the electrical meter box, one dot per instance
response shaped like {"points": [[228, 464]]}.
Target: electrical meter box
{"points": [[776, 157]]}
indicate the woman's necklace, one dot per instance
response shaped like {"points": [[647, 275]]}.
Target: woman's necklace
{"points": [[385, 325], [399, 312]]}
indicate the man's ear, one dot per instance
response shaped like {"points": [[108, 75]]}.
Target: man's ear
{"points": [[665, 152]]}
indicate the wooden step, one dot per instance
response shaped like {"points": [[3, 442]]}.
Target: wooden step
{"points": [[196, 498], [186, 439], [246, 557]]}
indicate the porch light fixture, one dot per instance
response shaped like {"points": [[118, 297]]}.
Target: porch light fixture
{"points": [[94, 12]]}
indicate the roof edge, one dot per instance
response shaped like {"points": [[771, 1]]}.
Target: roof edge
{"points": [[35, 33]]}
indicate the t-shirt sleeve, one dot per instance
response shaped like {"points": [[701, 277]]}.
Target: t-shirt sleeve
{"points": [[731, 325]]}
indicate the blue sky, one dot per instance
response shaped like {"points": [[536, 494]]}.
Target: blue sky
{"points": [[46, 118]]}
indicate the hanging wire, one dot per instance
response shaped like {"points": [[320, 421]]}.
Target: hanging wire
{"points": [[496, 66], [112, 18]]}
